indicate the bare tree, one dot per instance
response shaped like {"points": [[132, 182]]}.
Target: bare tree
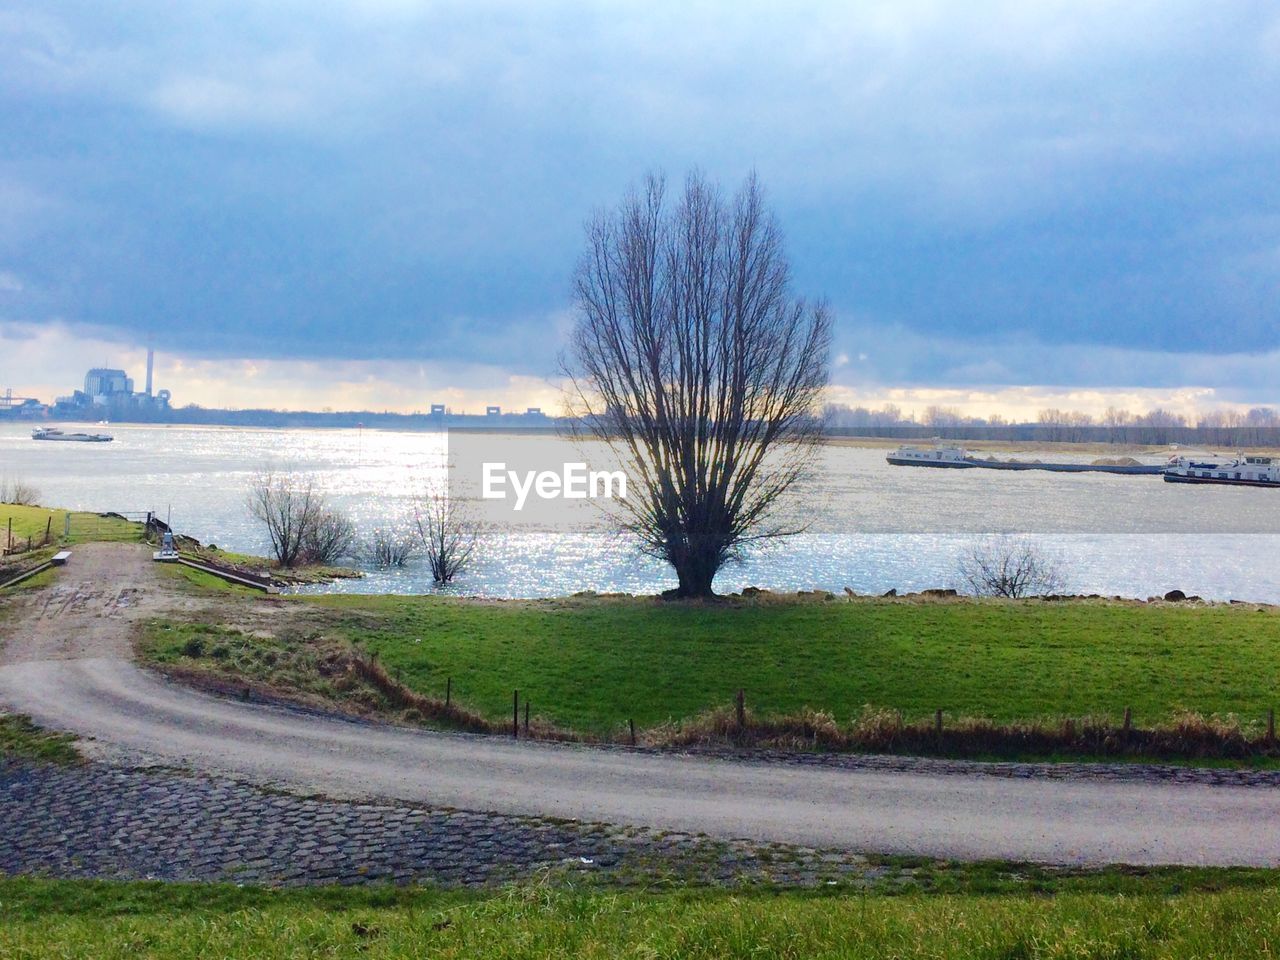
{"points": [[302, 527], [1004, 566], [448, 535], [692, 359], [330, 538], [18, 492], [389, 547]]}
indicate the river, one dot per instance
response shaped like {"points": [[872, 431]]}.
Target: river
{"points": [[868, 526]]}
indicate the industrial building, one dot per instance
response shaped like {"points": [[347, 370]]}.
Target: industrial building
{"points": [[102, 385], [109, 392]]}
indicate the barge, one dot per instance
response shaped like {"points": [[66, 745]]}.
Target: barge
{"points": [[939, 456], [959, 457], [1237, 472], [53, 433]]}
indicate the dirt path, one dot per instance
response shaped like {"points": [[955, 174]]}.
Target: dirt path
{"points": [[67, 666], [90, 609]]}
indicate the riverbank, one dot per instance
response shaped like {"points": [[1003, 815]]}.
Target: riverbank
{"points": [[34, 533], [1012, 678]]}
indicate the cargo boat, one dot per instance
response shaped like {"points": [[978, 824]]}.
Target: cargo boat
{"points": [[958, 457], [938, 456], [53, 433], [1238, 472]]}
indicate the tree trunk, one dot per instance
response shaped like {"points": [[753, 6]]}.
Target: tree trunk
{"points": [[696, 570]]}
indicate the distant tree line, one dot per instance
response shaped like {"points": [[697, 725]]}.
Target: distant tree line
{"points": [[1257, 427]]}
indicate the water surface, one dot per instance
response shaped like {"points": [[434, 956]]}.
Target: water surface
{"points": [[869, 526]]}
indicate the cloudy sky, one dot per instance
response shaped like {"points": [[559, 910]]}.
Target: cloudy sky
{"points": [[378, 203]]}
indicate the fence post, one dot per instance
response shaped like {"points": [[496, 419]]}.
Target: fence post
{"points": [[526, 717], [741, 709], [632, 724], [448, 691], [66, 524], [1128, 720], [48, 529], [515, 714], [937, 726], [8, 541]]}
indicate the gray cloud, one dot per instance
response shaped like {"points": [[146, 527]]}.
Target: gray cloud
{"points": [[1048, 190]]}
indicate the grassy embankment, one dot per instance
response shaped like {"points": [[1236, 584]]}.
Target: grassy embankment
{"points": [[591, 664], [291, 576], [1169, 914], [34, 521]]}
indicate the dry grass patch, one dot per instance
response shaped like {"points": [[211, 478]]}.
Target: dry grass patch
{"points": [[1185, 736]]}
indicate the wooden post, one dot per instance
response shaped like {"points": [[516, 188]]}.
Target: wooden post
{"points": [[632, 725], [526, 717], [937, 725], [66, 524], [515, 714], [741, 709], [448, 692], [48, 529], [1128, 720], [8, 541]]}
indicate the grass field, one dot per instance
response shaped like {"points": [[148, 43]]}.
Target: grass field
{"points": [[34, 521], [592, 664], [41, 918]]}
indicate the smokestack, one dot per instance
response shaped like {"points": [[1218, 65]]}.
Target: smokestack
{"points": [[151, 362]]}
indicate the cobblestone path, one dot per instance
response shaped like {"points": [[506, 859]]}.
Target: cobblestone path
{"points": [[107, 822]]}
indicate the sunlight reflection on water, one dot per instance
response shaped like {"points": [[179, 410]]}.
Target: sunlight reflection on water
{"points": [[871, 526]]}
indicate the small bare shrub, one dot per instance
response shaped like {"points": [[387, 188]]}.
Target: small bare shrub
{"points": [[448, 534], [390, 548], [18, 492], [330, 538], [1010, 567]]}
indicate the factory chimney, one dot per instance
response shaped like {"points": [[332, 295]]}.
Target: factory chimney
{"points": [[151, 362]]}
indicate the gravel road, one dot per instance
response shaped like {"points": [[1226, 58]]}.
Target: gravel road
{"points": [[67, 665]]}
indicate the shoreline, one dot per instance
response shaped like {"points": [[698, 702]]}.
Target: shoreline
{"points": [[835, 440]]}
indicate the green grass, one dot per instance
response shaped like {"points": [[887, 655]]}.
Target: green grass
{"points": [[296, 664], [22, 739], [299, 575], [593, 664], [199, 581], [41, 579], [85, 527], [40, 918]]}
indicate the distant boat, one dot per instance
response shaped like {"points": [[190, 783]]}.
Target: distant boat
{"points": [[53, 433], [941, 455], [1237, 472], [938, 456]]}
